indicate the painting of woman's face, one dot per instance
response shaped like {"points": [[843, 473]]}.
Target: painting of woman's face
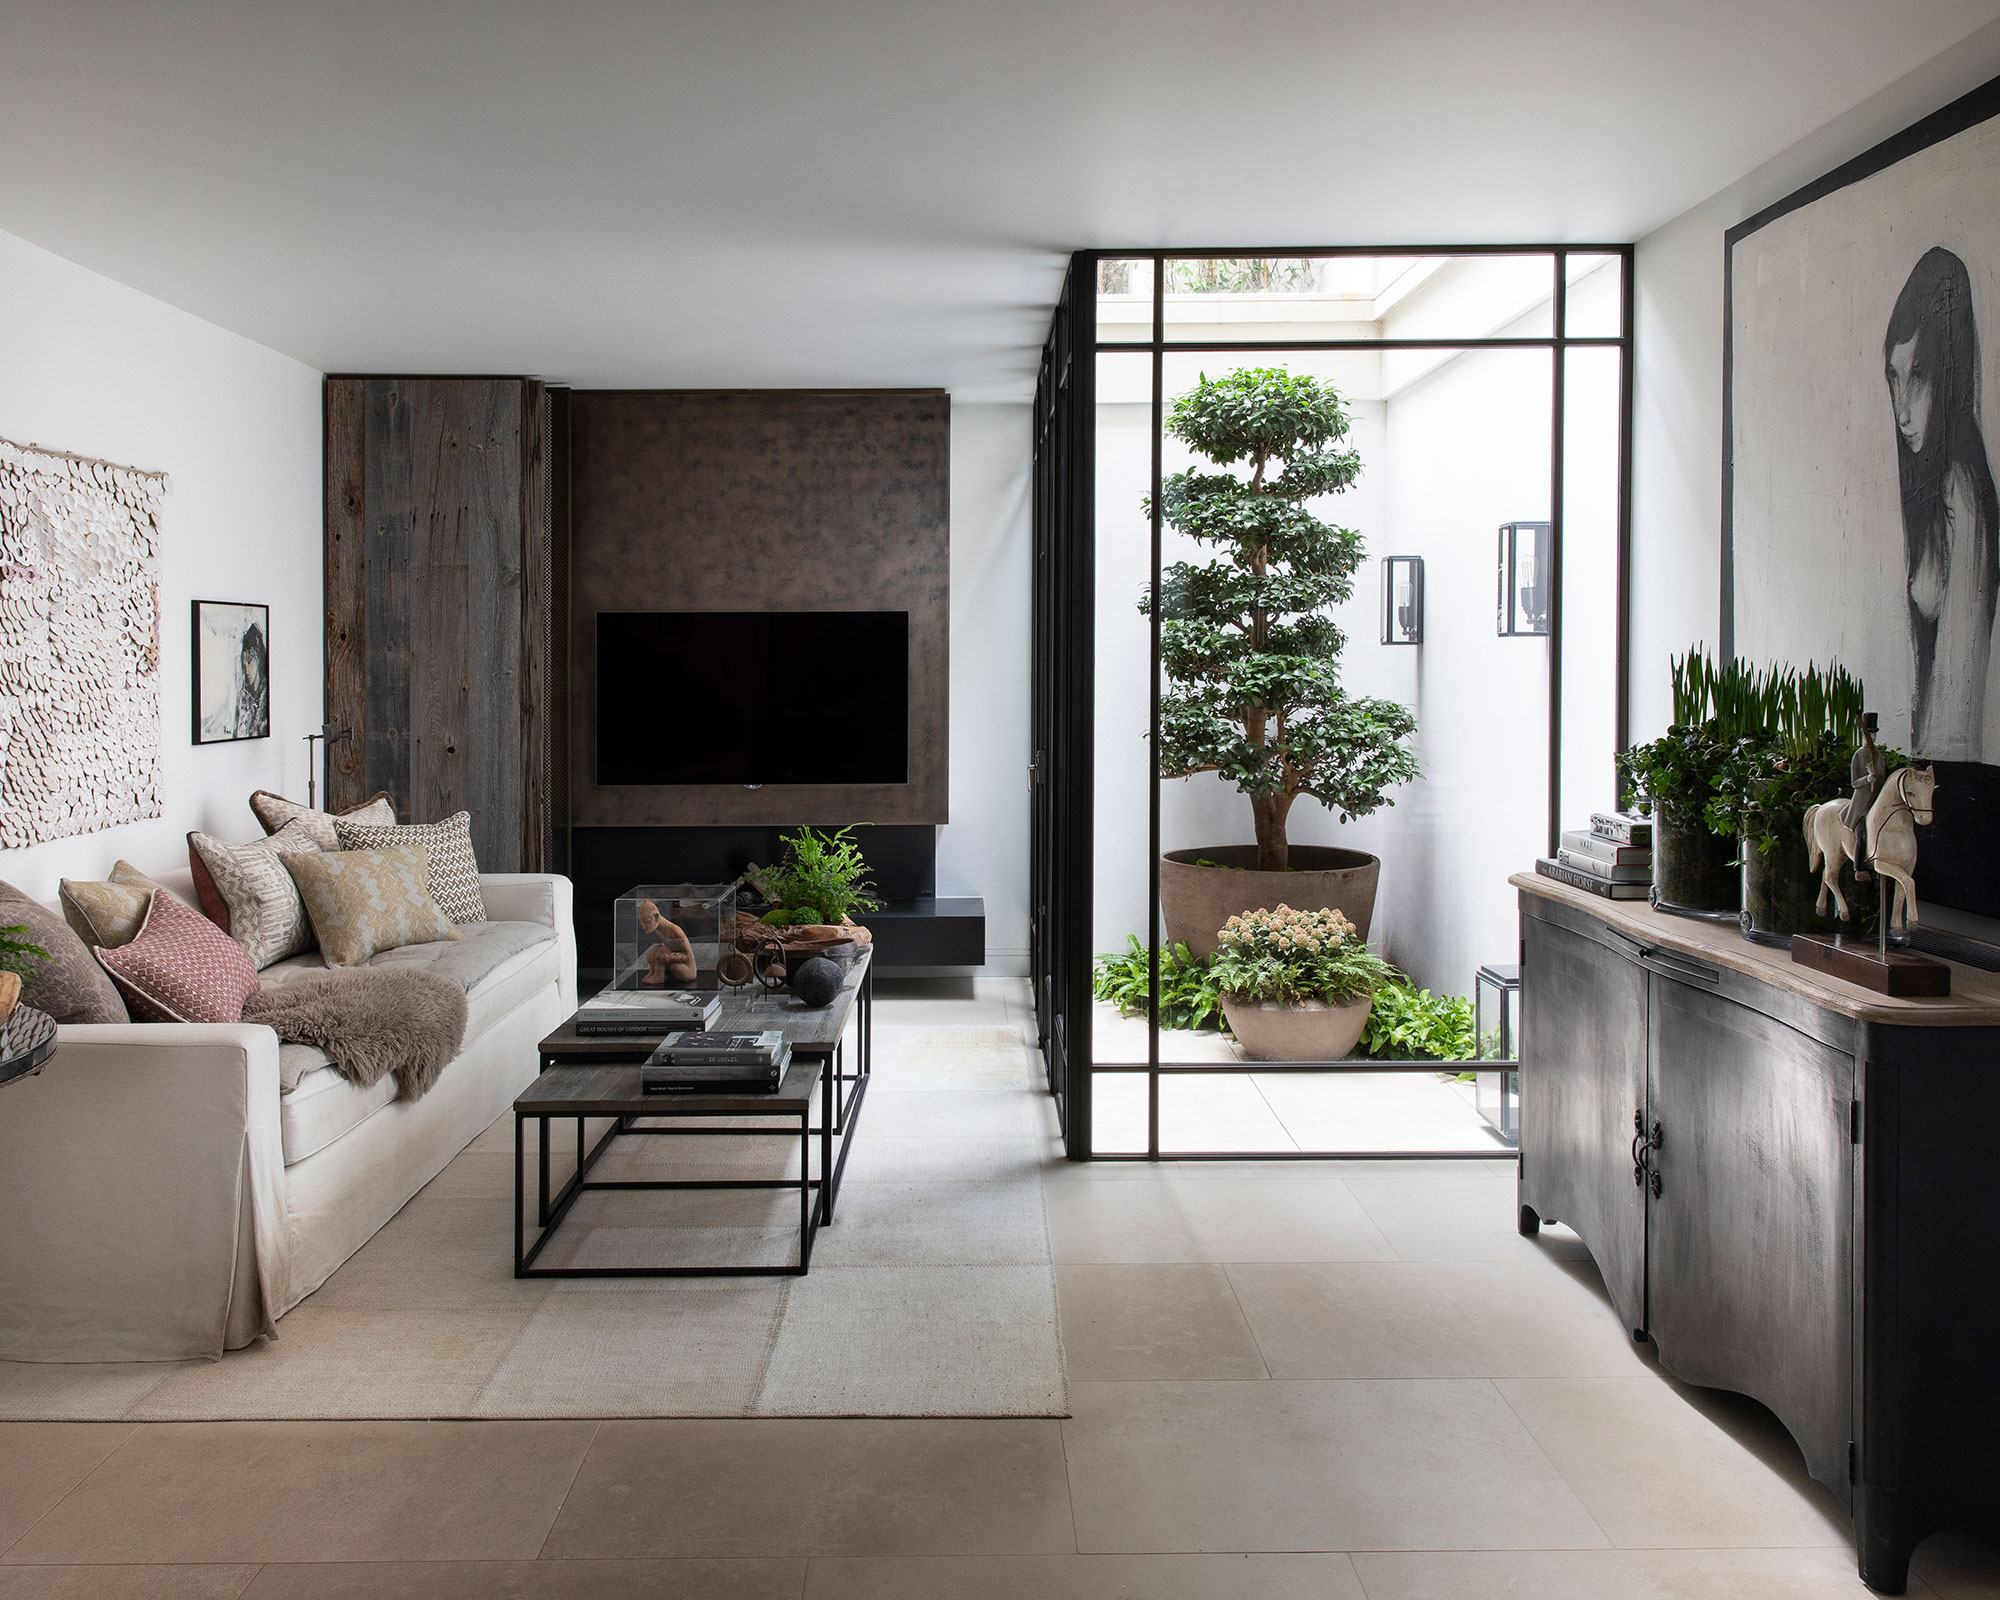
{"points": [[1910, 392]]}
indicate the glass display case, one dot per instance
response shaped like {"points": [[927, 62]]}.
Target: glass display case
{"points": [[1495, 1001], [671, 935]]}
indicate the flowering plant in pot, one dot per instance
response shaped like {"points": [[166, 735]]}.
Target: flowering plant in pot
{"points": [[1251, 652], [1296, 985]]}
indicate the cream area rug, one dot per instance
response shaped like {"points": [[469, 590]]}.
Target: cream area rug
{"points": [[932, 1294]]}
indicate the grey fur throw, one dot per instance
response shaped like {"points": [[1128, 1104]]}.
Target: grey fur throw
{"points": [[370, 1021]]}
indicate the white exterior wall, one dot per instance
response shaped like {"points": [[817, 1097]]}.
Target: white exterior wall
{"points": [[983, 850], [100, 370]]}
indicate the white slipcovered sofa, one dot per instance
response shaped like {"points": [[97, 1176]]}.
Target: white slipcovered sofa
{"points": [[166, 1196]]}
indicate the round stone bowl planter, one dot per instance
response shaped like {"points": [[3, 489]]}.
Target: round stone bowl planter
{"points": [[1196, 901], [1297, 1030]]}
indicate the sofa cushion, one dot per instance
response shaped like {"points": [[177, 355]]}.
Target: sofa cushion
{"points": [[274, 813], [261, 907], [181, 968], [497, 964], [108, 913], [323, 1105], [454, 873], [362, 901], [71, 987]]}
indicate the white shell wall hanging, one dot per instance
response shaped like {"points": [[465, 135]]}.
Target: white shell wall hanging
{"points": [[79, 644]]}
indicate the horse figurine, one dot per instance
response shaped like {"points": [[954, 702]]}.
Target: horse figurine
{"points": [[1888, 844]]}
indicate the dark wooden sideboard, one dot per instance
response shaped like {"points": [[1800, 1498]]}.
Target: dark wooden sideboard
{"points": [[1790, 1187]]}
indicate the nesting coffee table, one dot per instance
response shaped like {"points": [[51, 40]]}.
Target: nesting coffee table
{"points": [[588, 1079]]}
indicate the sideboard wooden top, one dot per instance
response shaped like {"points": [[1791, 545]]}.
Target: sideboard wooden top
{"points": [[1974, 1000]]}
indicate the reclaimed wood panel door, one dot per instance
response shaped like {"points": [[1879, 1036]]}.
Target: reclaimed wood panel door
{"points": [[438, 604], [1751, 1234], [1583, 1076]]}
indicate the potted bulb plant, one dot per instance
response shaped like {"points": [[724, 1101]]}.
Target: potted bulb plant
{"points": [[1252, 654], [1296, 985]]}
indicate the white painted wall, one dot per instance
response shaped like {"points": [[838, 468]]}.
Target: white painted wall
{"points": [[983, 850], [101, 370]]}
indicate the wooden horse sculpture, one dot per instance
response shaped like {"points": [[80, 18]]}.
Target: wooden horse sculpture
{"points": [[1888, 844], [1892, 836]]}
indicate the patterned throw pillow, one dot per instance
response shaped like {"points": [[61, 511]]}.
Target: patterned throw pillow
{"points": [[454, 872], [71, 987], [108, 913], [362, 901], [275, 813], [260, 902], [181, 968]]}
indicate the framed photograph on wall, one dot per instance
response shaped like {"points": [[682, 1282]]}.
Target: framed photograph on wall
{"points": [[1860, 520], [232, 671]]}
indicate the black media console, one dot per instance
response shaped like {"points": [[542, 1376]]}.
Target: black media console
{"points": [[915, 928]]}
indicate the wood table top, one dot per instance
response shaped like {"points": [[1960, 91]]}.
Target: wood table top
{"points": [[810, 1030], [1974, 1000], [613, 1091]]}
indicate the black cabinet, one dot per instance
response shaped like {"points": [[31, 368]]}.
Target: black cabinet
{"points": [[1785, 1186]]}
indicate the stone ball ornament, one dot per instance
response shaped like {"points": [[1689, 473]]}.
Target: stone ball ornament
{"points": [[816, 982]]}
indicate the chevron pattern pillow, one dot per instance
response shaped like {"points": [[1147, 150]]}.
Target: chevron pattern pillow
{"points": [[363, 901], [275, 813], [454, 873], [261, 903]]}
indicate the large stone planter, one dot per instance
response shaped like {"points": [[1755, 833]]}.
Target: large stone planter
{"points": [[1299, 1030], [1196, 901]]}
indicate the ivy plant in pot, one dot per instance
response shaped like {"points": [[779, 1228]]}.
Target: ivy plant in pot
{"points": [[1297, 985], [1251, 652], [1695, 869]]}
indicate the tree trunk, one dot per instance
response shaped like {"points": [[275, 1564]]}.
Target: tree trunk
{"points": [[1269, 812]]}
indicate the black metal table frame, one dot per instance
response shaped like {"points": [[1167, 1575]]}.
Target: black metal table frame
{"points": [[841, 1093]]}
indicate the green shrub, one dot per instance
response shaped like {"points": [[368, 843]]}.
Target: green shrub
{"points": [[821, 879], [1188, 995], [1412, 1024]]}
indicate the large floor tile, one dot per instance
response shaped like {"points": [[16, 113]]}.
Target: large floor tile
{"points": [[968, 1113], [316, 1491], [1657, 1471], [1231, 1577], [931, 1341], [1623, 1574], [818, 1487], [941, 1160], [1246, 1220], [1958, 1568], [1353, 1465], [532, 1580], [1155, 1321], [1449, 1220], [40, 1462], [125, 1583], [1408, 1319], [1223, 1112]]}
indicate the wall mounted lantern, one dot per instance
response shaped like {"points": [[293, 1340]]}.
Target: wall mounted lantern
{"points": [[1402, 599], [1524, 579]]}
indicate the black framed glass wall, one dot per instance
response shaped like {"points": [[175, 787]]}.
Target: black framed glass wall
{"points": [[1485, 386]]}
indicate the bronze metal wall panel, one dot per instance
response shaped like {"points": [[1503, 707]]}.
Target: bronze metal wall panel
{"points": [[781, 500]]}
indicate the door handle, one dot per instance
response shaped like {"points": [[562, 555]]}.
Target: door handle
{"points": [[1644, 1142]]}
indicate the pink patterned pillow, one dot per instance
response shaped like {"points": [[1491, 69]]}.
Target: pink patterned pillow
{"points": [[181, 968]]}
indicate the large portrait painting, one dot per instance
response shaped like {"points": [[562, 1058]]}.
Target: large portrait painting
{"points": [[1861, 520]]}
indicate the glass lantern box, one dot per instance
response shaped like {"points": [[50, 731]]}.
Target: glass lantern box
{"points": [[671, 935], [1496, 1015]]}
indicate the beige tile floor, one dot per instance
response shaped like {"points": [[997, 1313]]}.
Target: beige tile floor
{"points": [[1326, 1382]]}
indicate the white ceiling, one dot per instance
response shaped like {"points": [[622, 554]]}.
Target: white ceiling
{"points": [[851, 193]]}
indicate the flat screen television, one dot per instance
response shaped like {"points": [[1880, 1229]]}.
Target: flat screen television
{"points": [[753, 697]]}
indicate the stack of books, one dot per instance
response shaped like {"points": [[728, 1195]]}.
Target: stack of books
{"points": [[1613, 857], [717, 1063], [638, 1013]]}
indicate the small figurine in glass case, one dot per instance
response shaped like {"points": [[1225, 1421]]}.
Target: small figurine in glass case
{"points": [[669, 952]]}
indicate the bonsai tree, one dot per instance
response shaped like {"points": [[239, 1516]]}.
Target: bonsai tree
{"points": [[1250, 650]]}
